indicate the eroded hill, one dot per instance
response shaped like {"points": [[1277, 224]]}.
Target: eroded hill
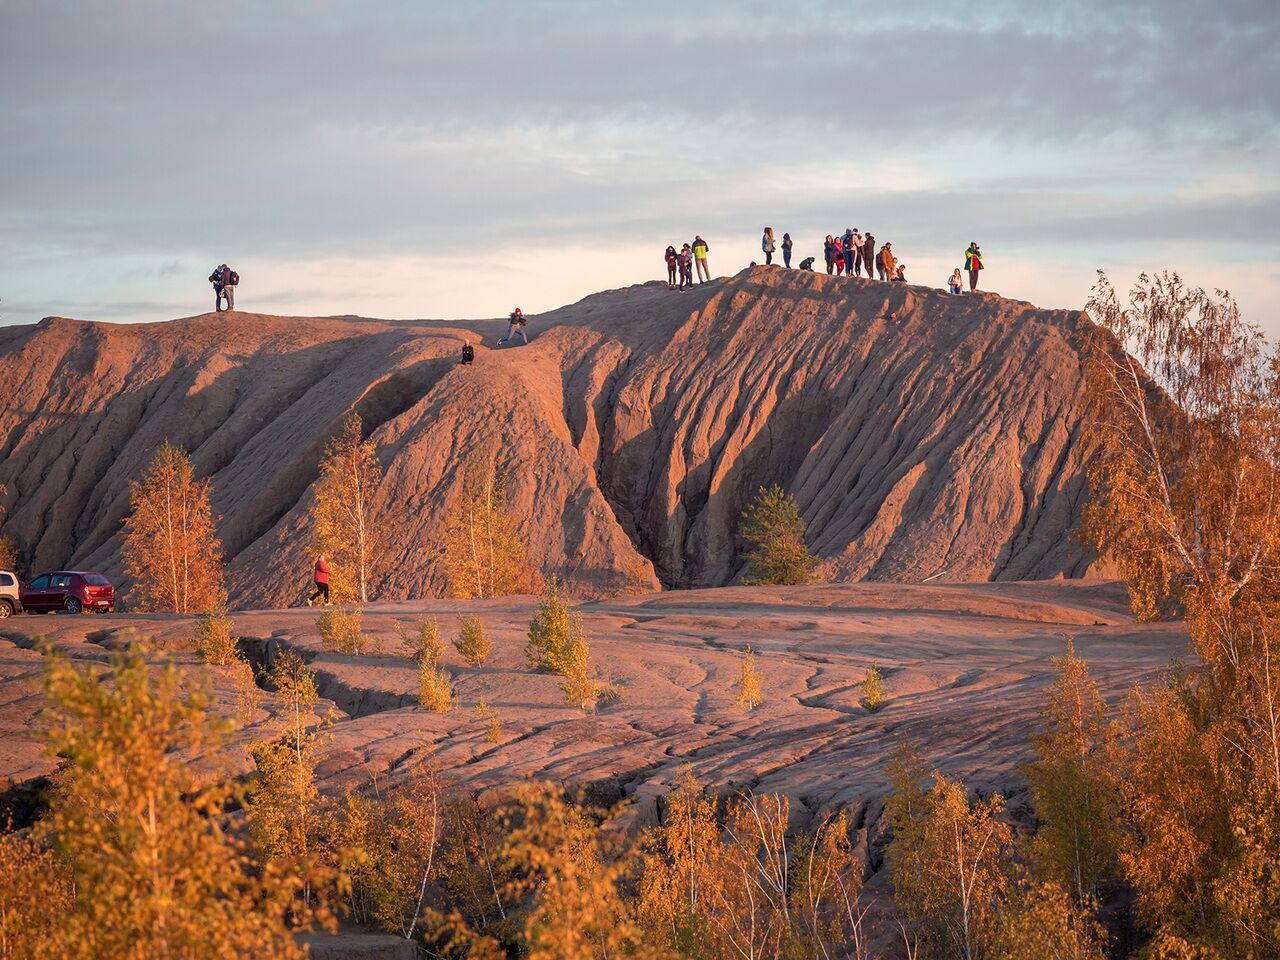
{"points": [[923, 435]]}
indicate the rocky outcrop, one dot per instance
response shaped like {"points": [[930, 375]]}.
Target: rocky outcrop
{"points": [[923, 435]]}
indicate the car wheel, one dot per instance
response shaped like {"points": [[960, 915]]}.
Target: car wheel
{"points": [[74, 605], [6, 609]]}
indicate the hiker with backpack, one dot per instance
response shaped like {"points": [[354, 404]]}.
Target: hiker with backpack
{"points": [[700, 258], [321, 577], [515, 324], [786, 250], [973, 263], [869, 254], [850, 254], [766, 245], [224, 281], [956, 283], [673, 265]]}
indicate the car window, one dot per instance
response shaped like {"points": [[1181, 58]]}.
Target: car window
{"points": [[96, 580], [61, 580], [40, 583], [6, 580]]}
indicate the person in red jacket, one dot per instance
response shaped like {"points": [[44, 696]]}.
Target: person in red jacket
{"points": [[322, 582]]}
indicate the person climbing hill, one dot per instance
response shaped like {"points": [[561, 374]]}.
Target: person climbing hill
{"points": [[515, 324], [973, 263], [673, 265]]}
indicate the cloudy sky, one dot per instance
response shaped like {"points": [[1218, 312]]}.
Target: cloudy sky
{"points": [[422, 159]]}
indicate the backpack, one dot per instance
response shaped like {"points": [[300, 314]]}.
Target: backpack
{"points": [[234, 279]]}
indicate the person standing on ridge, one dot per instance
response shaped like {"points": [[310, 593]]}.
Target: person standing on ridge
{"points": [[766, 245], [829, 253], [322, 582], [850, 256], [700, 257], [956, 283], [672, 265], [224, 281], [515, 324], [685, 261], [869, 254], [886, 265], [854, 242], [786, 250], [973, 263]]}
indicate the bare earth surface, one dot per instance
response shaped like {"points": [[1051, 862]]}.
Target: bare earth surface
{"points": [[965, 668], [922, 434]]}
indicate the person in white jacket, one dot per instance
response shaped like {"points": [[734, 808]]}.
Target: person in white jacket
{"points": [[766, 245]]}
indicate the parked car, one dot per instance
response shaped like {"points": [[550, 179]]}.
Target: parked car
{"points": [[10, 597], [71, 590]]}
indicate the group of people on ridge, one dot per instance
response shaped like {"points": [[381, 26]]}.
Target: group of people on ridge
{"points": [[681, 264], [851, 252]]}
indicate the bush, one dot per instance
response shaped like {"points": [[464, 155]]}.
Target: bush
{"points": [[340, 630], [579, 687], [774, 535], [749, 682], [873, 689], [435, 687], [423, 643], [549, 631], [491, 720], [474, 646], [214, 641]]}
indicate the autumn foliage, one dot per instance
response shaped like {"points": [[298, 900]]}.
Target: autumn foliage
{"points": [[483, 554], [347, 526], [171, 551]]}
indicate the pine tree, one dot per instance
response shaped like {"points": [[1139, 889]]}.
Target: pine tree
{"points": [[483, 554], [347, 526], [773, 532], [171, 552]]}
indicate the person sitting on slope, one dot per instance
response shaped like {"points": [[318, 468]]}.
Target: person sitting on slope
{"points": [[807, 264], [468, 353]]}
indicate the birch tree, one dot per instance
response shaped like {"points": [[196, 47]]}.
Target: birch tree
{"points": [[348, 527]]}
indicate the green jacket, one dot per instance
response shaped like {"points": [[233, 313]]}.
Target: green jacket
{"points": [[972, 259]]}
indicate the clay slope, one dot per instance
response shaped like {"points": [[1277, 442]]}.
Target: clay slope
{"points": [[923, 435]]}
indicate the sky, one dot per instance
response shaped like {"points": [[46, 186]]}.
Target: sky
{"points": [[444, 160]]}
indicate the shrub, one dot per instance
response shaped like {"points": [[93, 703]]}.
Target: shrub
{"points": [[579, 687], [214, 641], [749, 682], [340, 630], [423, 642], [248, 693], [472, 643], [435, 687], [873, 689], [491, 720], [549, 631], [773, 532]]}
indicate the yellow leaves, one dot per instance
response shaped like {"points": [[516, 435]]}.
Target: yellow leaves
{"points": [[171, 552], [750, 682], [483, 555], [340, 629], [422, 641], [472, 643], [214, 641], [347, 526], [873, 689], [435, 687]]}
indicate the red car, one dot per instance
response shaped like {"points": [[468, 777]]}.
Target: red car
{"points": [[71, 590]]}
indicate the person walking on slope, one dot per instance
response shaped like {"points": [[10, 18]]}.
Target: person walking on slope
{"points": [[515, 324], [766, 245], [850, 254], [322, 582], [956, 283], [684, 260], [829, 252], [672, 266], [700, 257], [973, 263], [869, 254], [786, 250]]}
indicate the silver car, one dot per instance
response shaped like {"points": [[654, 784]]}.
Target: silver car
{"points": [[9, 601]]}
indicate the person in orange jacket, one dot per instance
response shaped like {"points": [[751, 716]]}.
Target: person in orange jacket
{"points": [[322, 582]]}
